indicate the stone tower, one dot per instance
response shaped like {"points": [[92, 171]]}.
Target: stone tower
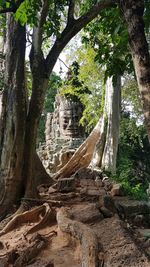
{"points": [[63, 133]]}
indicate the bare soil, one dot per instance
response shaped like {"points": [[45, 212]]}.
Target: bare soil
{"points": [[62, 243]]}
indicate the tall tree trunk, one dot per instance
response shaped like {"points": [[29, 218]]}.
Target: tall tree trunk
{"points": [[15, 134], [99, 147], [35, 109], [113, 105], [13, 113], [133, 12]]}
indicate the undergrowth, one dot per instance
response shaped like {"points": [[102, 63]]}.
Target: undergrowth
{"points": [[133, 168]]}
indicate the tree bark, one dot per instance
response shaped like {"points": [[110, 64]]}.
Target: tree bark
{"points": [[15, 134], [13, 113], [133, 12], [99, 147], [113, 106]]}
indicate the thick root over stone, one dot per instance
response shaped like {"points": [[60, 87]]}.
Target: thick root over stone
{"points": [[91, 249], [33, 215]]}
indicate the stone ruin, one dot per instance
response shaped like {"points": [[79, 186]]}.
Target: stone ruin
{"points": [[63, 133]]}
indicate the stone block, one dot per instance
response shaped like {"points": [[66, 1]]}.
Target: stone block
{"points": [[66, 185], [87, 213], [117, 190]]}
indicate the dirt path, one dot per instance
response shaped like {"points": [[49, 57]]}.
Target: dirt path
{"points": [[81, 237]]}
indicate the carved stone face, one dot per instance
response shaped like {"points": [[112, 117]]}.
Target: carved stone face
{"points": [[64, 122], [69, 116]]}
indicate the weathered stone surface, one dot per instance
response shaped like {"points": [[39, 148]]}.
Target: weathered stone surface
{"points": [[109, 203], [86, 213], [144, 232], [63, 133], [87, 183], [88, 173], [98, 182], [107, 184], [132, 207], [64, 122], [66, 185], [93, 192], [106, 213], [117, 190], [120, 249]]}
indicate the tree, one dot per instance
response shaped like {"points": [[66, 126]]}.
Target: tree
{"points": [[47, 17], [113, 106], [19, 170], [133, 12]]}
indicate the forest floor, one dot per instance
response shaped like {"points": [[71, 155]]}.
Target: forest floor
{"points": [[78, 222]]}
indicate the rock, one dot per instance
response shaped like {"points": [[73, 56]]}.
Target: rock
{"points": [[117, 190], [93, 192], [109, 203], [107, 184], [86, 213], [139, 220], [98, 182], [101, 201], [144, 232], [106, 213], [87, 173], [66, 185], [86, 182], [132, 207], [51, 190]]}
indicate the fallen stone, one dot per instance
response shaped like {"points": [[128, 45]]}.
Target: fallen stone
{"points": [[139, 220], [87, 173], [109, 203], [132, 207], [98, 182], [106, 213], [86, 182], [66, 185], [117, 190], [144, 232], [86, 213], [95, 192], [107, 185]]}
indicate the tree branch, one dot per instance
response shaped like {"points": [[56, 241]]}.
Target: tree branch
{"points": [[71, 11], [72, 29], [38, 30], [13, 8]]}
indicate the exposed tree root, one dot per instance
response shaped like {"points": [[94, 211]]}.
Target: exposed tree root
{"points": [[83, 155], [29, 216], [91, 250], [27, 256], [65, 196], [55, 203], [48, 218]]}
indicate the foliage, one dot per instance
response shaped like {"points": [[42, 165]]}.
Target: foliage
{"points": [[108, 35], [131, 101], [86, 85], [133, 170]]}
